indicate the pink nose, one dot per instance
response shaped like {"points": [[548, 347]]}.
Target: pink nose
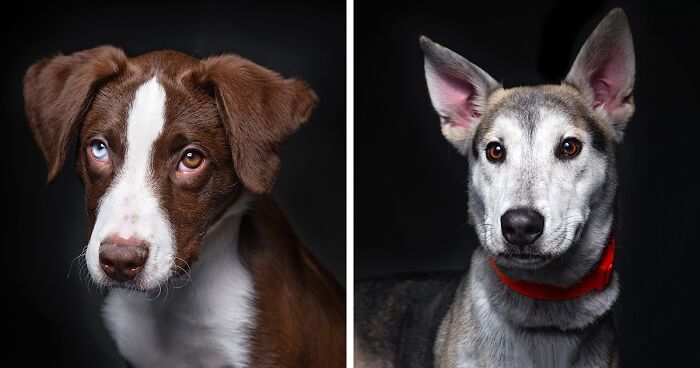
{"points": [[122, 259]]}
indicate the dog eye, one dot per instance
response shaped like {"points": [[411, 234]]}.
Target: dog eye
{"points": [[191, 161], [495, 152], [98, 150], [569, 148]]}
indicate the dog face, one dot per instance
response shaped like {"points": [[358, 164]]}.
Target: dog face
{"points": [[165, 143], [541, 158]]}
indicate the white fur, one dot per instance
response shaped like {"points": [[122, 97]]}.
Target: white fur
{"points": [[204, 323], [130, 207], [474, 334], [532, 176]]}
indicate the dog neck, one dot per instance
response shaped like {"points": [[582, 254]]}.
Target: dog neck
{"points": [[575, 313], [596, 280], [219, 260], [228, 222], [216, 294]]}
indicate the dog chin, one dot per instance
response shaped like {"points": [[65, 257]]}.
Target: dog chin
{"points": [[130, 285], [523, 261], [532, 259], [138, 284]]}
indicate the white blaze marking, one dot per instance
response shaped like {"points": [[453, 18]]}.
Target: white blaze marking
{"points": [[130, 208]]}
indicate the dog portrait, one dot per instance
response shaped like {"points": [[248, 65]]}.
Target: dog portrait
{"points": [[181, 225], [505, 205], [470, 184]]}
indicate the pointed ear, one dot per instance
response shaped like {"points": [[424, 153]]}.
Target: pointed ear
{"points": [[259, 109], [458, 90], [57, 94], [604, 71]]}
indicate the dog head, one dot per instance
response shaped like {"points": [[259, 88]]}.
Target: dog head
{"points": [[541, 158], [164, 140]]}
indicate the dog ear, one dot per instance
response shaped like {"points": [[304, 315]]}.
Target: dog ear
{"points": [[604, 70], [57, 94], [259, 109], [458, 90]]}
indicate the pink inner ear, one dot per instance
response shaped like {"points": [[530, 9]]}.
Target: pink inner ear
{"points": [[607, 81], [457, 95]]}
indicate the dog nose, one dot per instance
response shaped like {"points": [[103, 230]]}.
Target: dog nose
{"points": [[522, 226], [122, 259]]}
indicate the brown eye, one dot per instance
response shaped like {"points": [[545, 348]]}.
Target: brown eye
{"points": [[570, 147], [191, 161], [495, 152]]}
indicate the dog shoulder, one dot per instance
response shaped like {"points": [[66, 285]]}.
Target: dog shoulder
{"points": [[300, 305], [397, 317]]}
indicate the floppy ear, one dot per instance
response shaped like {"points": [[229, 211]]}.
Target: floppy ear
{"points": [[57, 94], [604, 71], [458, 90], [260, 110]]}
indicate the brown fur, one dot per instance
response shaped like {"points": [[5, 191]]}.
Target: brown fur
{"points": [[191, 116], [302, 309], [58, 91], [260, 110], [238, 114]]}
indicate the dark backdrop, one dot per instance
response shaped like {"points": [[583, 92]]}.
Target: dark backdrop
{"points": [[411, 202], [53, 318]]}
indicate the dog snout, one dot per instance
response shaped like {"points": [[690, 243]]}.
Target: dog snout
{"points": [[123, 259], [522, 226]]}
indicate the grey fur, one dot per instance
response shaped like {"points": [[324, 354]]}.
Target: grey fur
{"points": [[487, 324], [613, 33]]}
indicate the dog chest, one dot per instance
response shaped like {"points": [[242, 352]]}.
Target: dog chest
{"points": [[502, 345], [205, 322], [178, 332], [477, 332]]}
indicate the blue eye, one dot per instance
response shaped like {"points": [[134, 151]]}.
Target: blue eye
{"points": [[98, 149]]}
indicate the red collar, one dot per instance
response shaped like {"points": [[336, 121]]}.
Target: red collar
{"points": [[598, 279]]}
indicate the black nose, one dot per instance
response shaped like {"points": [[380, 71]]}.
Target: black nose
{"points": [[122, 259], [522, 226]]}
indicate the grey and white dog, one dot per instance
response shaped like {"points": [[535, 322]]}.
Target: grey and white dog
{"points": [[542, 183]]}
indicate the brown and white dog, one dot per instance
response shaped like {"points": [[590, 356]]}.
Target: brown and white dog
{"points": [[177, 156]]}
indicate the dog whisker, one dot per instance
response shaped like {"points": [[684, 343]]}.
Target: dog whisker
{"points": [[160, 288], [186, 281], [82, 254]]}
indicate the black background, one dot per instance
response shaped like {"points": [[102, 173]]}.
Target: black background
{"points": [[55, 320], [410, 189]]}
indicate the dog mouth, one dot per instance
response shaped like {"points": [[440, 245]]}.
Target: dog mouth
{"points": [[523, 260], [109, 284], [178, 278]]}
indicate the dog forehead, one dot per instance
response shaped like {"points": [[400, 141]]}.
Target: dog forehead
{"points": [[146, 115], [135, 96], [531, 107], [521, 114], [538, 109]]}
